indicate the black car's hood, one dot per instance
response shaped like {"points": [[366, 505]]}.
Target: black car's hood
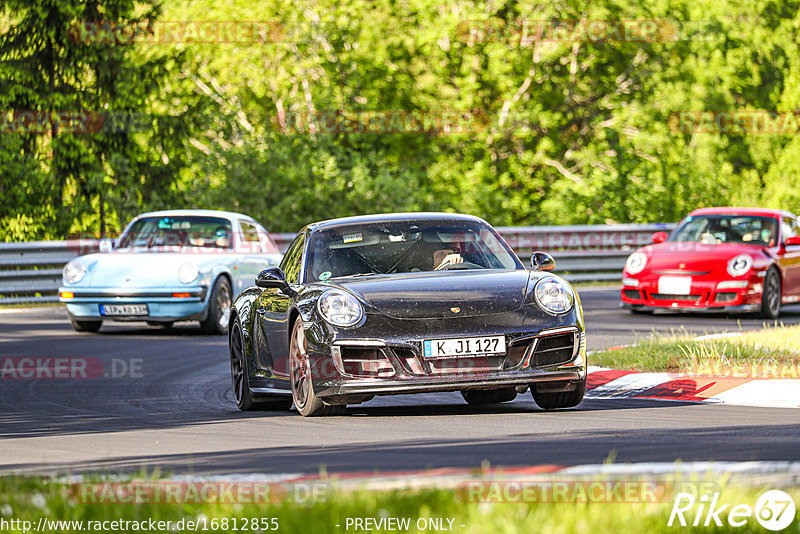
{"points": [[441, 294]]}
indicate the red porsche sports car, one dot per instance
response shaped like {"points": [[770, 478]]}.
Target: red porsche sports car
{"points": [[726, 259]]}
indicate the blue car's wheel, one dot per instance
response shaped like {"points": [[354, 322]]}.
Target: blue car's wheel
{"points": [[219, 308], [85, 325]]}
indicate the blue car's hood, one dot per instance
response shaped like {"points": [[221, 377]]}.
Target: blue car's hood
{"points": [[135, 270]]}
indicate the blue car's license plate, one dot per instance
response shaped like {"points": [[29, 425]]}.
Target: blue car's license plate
{"points": [[124, 309]]}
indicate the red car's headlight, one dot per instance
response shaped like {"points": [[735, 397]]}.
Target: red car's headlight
{"points": [[740, 265], [636, 263]]}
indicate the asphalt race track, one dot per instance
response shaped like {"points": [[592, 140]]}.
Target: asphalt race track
{"points": [[157, 398]]}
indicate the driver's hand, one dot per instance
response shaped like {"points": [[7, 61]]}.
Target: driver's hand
{"points": [[450, 259]]}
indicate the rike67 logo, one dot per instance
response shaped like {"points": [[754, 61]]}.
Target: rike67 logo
{"points": [[774, 510]]}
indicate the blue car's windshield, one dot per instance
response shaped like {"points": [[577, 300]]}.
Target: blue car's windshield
{"points": [[403, 247], [178, 231]]}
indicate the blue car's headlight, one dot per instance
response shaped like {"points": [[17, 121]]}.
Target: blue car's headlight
{"points": [[340, 308], [73, 272], [553, 295], [187, 273]]}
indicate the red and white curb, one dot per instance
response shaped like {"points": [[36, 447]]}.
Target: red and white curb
{"points": [[604, 383]]}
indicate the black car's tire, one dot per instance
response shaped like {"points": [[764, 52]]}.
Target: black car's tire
{"points": [[81, 325], [306, 402], [489, 396], [242, 395], [771, 295], [550, 400], [219, 308]]}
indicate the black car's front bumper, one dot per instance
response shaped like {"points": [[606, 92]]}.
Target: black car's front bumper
{"points": [[556, 356]]}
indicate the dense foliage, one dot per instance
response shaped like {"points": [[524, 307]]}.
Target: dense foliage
{"points": [[569, 127]]}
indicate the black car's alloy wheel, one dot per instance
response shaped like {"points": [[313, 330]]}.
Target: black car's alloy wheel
{"points": [[550, 400], [771, 296], [306, 402], [219, 308], [244, 398]]}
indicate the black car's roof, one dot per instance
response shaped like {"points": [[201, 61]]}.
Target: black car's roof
{"points": [[393, 217]]}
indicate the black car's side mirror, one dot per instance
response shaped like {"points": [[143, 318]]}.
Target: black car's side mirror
{"points": [[541, 261], [273, 277]]}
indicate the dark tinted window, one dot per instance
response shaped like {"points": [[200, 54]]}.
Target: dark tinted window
{"points": [[718, 229], [402, 247], [178, 231]]}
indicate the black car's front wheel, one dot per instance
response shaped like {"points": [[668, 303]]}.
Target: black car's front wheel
{"points": [[551, 400], [245, 400], [489, 396], [306, 402]]}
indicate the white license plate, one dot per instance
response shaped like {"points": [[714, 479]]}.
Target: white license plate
{"points": [[124, 309], [675, 285], [464, 346]]}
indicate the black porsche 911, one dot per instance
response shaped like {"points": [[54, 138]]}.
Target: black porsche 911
{"points": [[405, 303]]}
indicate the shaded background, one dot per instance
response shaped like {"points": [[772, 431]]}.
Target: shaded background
{"points": [[567, 130]]}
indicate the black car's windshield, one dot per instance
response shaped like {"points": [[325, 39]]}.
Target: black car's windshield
{"points": [[403, 247], [178, 231], [718, 229]]}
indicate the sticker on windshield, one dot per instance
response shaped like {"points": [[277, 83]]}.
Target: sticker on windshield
{"points": [[352, 238], [325, 275]]}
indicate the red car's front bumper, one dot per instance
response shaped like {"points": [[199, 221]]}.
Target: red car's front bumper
{"points": [[706, 292]]}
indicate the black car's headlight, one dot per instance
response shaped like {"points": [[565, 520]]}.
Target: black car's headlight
{"points": [[553, 295], [340, 308], [73, 272]]}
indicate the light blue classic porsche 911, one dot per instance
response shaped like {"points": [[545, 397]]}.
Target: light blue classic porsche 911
{"points": [[167, 266]]}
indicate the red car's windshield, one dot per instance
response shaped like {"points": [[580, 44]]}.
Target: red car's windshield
{"points": [[719, 229]]}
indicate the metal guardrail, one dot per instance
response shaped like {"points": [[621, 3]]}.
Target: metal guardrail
{"points": [[31, 271]]}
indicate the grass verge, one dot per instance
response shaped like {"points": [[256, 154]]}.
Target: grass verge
{"points": [[29, 499], [770, 353]]}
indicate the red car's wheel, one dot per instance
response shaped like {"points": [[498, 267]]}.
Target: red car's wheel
{"points": [[771, 296]]}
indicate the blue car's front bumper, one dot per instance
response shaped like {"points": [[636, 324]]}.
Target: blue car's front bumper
{"points": [[163, 304]]}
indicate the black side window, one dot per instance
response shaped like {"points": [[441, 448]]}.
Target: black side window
{"points": [[293, 259]]}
